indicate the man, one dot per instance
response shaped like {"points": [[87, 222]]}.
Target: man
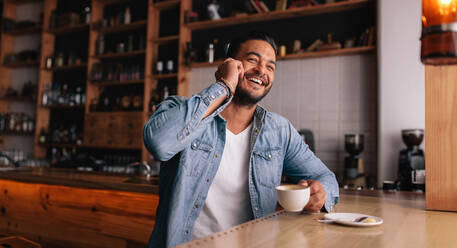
{"points": [[223, 155]]}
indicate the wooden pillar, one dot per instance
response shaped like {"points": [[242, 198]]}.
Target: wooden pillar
{"points": [[441, 137]]}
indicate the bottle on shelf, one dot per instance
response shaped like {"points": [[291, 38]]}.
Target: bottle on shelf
{"points": [[87, 14], [170, 67], [159, 67], [100, 44], [210, 53], [42, 138], [127, 16]]}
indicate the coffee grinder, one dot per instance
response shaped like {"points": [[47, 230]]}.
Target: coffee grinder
{"points": [[411, 163], [354, 176]]}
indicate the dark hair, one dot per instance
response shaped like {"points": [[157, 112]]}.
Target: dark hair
{"points": [[235, 44]]}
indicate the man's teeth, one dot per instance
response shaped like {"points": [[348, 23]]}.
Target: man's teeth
{"points": [[255, 80]]}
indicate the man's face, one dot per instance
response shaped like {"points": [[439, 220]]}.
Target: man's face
{"points": [[259, 62]]}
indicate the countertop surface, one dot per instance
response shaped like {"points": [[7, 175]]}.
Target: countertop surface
{"points": [[406, 224], [91, 180]]}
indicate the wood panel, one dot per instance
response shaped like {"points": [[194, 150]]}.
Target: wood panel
{"points": [[59, 216], [47, 49], [441, 137]]}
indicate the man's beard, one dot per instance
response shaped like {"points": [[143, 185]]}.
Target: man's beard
{"points": [[242, 96]]}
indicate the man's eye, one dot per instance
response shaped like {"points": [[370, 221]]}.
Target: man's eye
{"points": [[271, 68], [252, 60]]}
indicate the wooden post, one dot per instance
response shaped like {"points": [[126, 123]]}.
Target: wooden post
{"points": [[441, 137]]}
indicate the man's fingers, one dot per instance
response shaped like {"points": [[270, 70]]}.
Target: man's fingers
{"points": [[303, 183]]}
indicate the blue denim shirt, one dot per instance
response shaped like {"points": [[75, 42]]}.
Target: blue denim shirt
{"points": [[191, 149]]}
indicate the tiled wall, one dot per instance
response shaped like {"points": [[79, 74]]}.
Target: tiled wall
{"points": [[331, 96]]}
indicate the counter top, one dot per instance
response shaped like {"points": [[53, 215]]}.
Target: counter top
{"points": [[89, 180], [406, 224]]}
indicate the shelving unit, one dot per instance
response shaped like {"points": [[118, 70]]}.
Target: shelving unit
{"points": [[156, 45], [10, 42]]}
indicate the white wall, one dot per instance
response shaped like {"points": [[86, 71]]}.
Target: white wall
{"points": [[401, 79], [332, 96]]}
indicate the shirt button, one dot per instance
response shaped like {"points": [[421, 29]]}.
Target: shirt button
{"points": [[207, 180], [216, 156], [256, 208], [196, 206], [269, 155], [186, 231], [194, 145], [250, 181], [256, 130], [212, 97]]}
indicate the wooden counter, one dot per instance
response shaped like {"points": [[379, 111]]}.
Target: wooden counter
{"points": [[406, 224], [59, 208]]}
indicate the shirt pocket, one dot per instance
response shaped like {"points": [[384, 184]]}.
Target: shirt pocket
{"points": [[268, 167], [199, 157]]}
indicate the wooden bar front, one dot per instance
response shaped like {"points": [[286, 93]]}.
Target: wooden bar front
{"points": [[441, 137], [62, 216]]}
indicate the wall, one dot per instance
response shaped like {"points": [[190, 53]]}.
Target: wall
{"points": [[401, 79], [331, 96]]}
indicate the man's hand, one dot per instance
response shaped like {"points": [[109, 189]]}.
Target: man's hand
{"points": [[317, 195], [231, 72]]}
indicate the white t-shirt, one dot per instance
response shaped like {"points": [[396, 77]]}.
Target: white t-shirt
{"points": [[228, 203]]}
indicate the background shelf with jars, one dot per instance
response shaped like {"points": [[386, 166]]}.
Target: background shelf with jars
{"points": [[110, 62], [62, 81], [19, 54]]}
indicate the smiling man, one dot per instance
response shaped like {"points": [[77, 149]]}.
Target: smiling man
{"points": [[223, 155]]}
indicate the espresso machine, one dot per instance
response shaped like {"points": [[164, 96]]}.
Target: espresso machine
{"points": [[354, 172], [411, 163]]}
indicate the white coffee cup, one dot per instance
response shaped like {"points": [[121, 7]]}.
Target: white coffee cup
{"points": [[292, 197]]}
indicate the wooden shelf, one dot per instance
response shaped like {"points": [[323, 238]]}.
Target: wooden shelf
{"points": [[18, 99], [110, 83], [168, 4], [122, 27], [24, 31], [67, 67], [164, 76], [166, 40], [68, 29], [7, 133], [107, 2], [120, 55], [280, 14], [63, 107], [61, 145], [19, 2], [114, 112], [307, 55], [22, 64]]}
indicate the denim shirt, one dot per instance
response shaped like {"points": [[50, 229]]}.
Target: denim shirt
{"points": [[190, 148]]}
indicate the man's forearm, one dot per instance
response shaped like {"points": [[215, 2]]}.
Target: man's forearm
{"points": [[178, 121]]}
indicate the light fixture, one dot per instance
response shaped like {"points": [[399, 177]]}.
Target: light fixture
{"points": [[439, 32]]}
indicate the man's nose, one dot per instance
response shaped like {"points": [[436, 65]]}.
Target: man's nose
{"points": [[261, 69]]}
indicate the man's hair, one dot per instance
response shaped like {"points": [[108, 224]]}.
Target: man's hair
{"points": [[235, 44]]}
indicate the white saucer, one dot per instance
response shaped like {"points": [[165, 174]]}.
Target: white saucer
{"points": [[347, 219]]}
